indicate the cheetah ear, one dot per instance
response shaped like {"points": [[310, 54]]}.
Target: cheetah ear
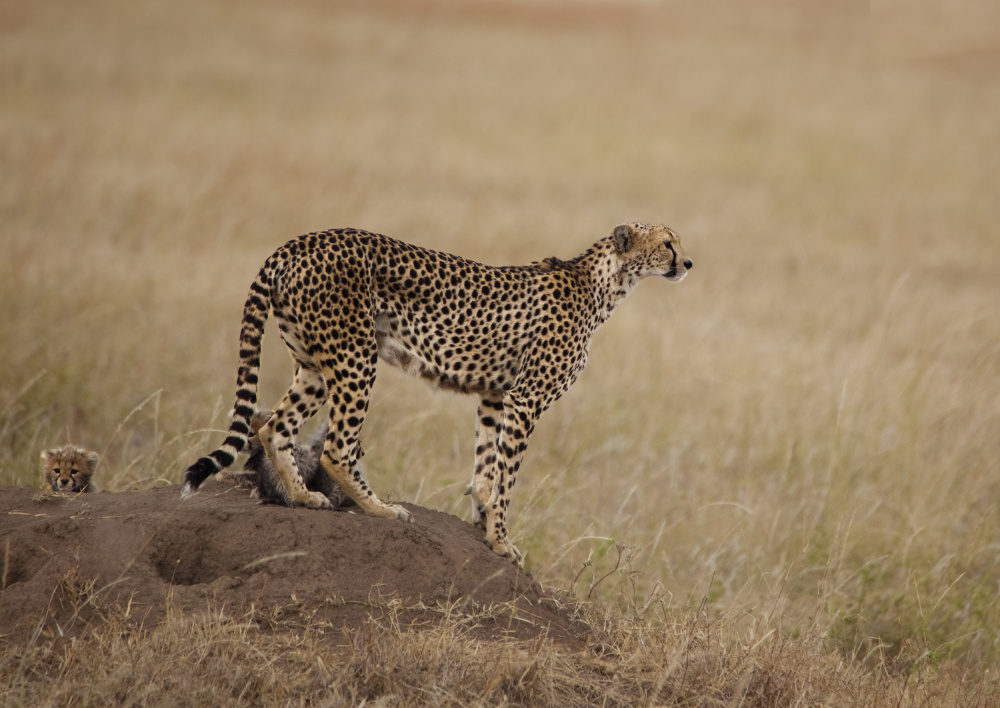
{"points": [[46, 456], [623, 238], [92, 459]]}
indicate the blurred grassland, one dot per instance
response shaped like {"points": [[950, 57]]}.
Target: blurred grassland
{"points": [[810, 423]]}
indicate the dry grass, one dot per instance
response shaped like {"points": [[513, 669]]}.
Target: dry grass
{"points": [[807, 426], [278, 657]]}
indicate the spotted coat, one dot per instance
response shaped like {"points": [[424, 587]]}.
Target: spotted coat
{"points": [[516, 336]]}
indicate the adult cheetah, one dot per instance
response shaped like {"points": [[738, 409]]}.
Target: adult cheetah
{"points": [[516, 336]]}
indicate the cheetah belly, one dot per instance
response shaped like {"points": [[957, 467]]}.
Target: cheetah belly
{"points": [[395, 352], [393, 349]]}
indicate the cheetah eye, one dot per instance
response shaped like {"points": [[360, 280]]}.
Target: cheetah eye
{"points": [[56, 470], [74, 472]]}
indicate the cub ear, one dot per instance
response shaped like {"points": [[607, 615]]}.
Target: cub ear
{"points": [[46, 456], [92, 459], [259, 419], [623, 238]]}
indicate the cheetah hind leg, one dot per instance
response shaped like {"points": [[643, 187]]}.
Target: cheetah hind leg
{"points": [[349, 476], [341, 449], [278, 435], [283, 459]]}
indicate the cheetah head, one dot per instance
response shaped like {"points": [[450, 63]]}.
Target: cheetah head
{"points": [[651, 249], [68, 468]]}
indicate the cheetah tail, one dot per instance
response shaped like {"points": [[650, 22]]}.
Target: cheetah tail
{"points": [[252, 332]]}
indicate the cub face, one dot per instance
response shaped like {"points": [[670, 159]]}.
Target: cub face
{"points": [[69, 468]]}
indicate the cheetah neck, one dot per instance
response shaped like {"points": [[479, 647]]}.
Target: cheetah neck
{"points": [[611, 284]]}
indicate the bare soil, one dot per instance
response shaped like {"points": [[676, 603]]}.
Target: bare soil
{"points": [[67, 556]]}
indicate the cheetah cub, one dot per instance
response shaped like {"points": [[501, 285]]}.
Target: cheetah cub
{"points": [[261, 478], [69, 469]]}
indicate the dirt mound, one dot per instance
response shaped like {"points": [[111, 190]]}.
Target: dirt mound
{"points": [[65, 557]]}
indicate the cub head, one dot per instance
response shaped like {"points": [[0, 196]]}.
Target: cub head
{"points": [[650, 249], [257, 421], [69, 468]]}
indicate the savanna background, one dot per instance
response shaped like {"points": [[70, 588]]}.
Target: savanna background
{"points": [[800, 441]]}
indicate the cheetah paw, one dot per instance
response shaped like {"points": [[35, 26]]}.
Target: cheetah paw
{"points": [[506, 549], [314, 500], [401, 513], [392, 511]]}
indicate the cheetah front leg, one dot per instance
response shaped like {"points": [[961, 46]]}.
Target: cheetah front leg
{"points": [[488, 423], [518, 424]]}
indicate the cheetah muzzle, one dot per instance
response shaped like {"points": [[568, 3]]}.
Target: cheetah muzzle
{"points": [[516, 336]]}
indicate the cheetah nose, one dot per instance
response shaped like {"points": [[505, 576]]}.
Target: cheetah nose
{"points": [[688, 264]]}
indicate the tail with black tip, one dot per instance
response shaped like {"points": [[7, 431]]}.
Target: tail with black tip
{"points": [[251, 334]]}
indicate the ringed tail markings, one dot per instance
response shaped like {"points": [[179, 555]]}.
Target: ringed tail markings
{"points": [[255, 313]]}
